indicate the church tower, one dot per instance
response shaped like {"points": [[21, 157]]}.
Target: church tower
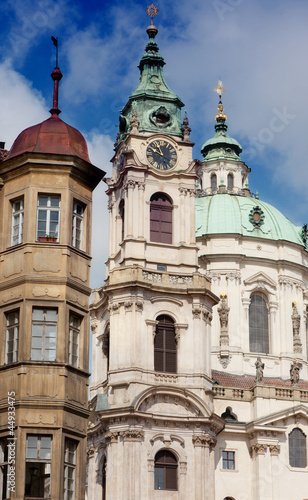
{"points": [[46, 209], [152, 429]]}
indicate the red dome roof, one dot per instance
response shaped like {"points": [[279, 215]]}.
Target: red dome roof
{"points": [[52, 136]]}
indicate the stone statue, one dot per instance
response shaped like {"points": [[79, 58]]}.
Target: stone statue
{"points": [[259, 368], [223, 312], [294, 372], [296, 321]]}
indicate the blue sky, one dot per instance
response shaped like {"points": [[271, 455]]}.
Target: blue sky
{"points": [[257, 48]]}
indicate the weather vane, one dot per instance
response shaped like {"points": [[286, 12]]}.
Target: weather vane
{"points": [[152, 11]]}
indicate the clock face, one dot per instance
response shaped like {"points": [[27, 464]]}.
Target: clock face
{"points": [[161, 154]]}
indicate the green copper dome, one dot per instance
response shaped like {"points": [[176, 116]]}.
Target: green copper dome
{"points": [[221, 145], [231, 214], [154, 105]]}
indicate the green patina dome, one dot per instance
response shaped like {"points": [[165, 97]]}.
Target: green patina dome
{"points": [[231, 214]]}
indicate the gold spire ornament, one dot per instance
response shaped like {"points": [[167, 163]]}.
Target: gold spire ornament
{"points": [[220, 89], [152, 11]]}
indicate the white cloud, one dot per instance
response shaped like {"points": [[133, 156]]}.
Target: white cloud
{"points": [[22, 105]]}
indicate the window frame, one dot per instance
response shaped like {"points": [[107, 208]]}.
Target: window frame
{"points": [[213, 181], [163, 355], [17, 214], [161, 231], [78, 217], [44, 323], [37, 463], [295, 446], [49, 209], [4, 465], [228, 460], [254, 336], [69, 470], [162, 471], [15, 327], [77, 331], [230, 182]]}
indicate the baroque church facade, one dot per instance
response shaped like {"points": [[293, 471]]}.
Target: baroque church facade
{"points": [[199, 370], [199, 360]]}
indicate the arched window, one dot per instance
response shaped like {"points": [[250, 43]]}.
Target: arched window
{"points": [[165, 474], [165, 345], [258, 325], [122, 213], [214, 182], [230, 182], [104, 479], [160, 218], [297, 448], [106, 346]]}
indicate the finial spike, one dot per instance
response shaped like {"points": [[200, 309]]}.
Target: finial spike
{"points": [[55, 42], [220, 89]]}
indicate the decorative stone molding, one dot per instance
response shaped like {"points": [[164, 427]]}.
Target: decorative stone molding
{"points": [[40, 291], [132, 435], [139, 305], [12, 295], [234, 276], [180, 280], [141, 186], [150, 464], [151, 276], [114, 308], [183, 468], [213, 276], [186, 129], [196, 311], [204, 440], [134, 122], [129, 184], [296, 321], [274, 450], [111, 437], [259, 448], [91, 452], [166, 378], [128, 306], [224, 358]]}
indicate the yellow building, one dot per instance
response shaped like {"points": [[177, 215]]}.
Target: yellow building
{"points": [[46, 209]]}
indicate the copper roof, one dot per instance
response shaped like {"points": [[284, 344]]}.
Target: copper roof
{"points": [[52, 136]]}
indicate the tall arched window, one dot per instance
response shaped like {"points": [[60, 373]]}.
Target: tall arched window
{"points": [[214, 182], [258, 325], [122, 213], [160, 218], [230, 182], [297, 449], [104, 479], [165, 472], [165, 345]]}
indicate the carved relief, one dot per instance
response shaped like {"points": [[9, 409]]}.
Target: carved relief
{"points": [[274, 450], [40, 291], [12, 295], [46, 261], [259, 448], [79, 270], [13, 265], [111, 437], [204, 440], [46, 419], [132, 435]]}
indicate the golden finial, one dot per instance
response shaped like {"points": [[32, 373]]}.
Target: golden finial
{"points": [[220, 89], [223, 294], [152, 11]]}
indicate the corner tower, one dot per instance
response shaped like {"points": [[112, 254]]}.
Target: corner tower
{"points": [[46, 210], [152, 426]]}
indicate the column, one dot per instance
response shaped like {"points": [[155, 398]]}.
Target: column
{"points": [[140, 217]]}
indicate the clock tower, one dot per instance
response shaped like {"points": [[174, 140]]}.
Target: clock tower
{"points": [[152, 425]]}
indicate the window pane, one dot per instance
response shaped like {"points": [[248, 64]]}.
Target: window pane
{"points": [[258, 325]]}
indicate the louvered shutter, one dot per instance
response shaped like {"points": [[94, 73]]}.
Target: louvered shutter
{"points": [[160, 219]]}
